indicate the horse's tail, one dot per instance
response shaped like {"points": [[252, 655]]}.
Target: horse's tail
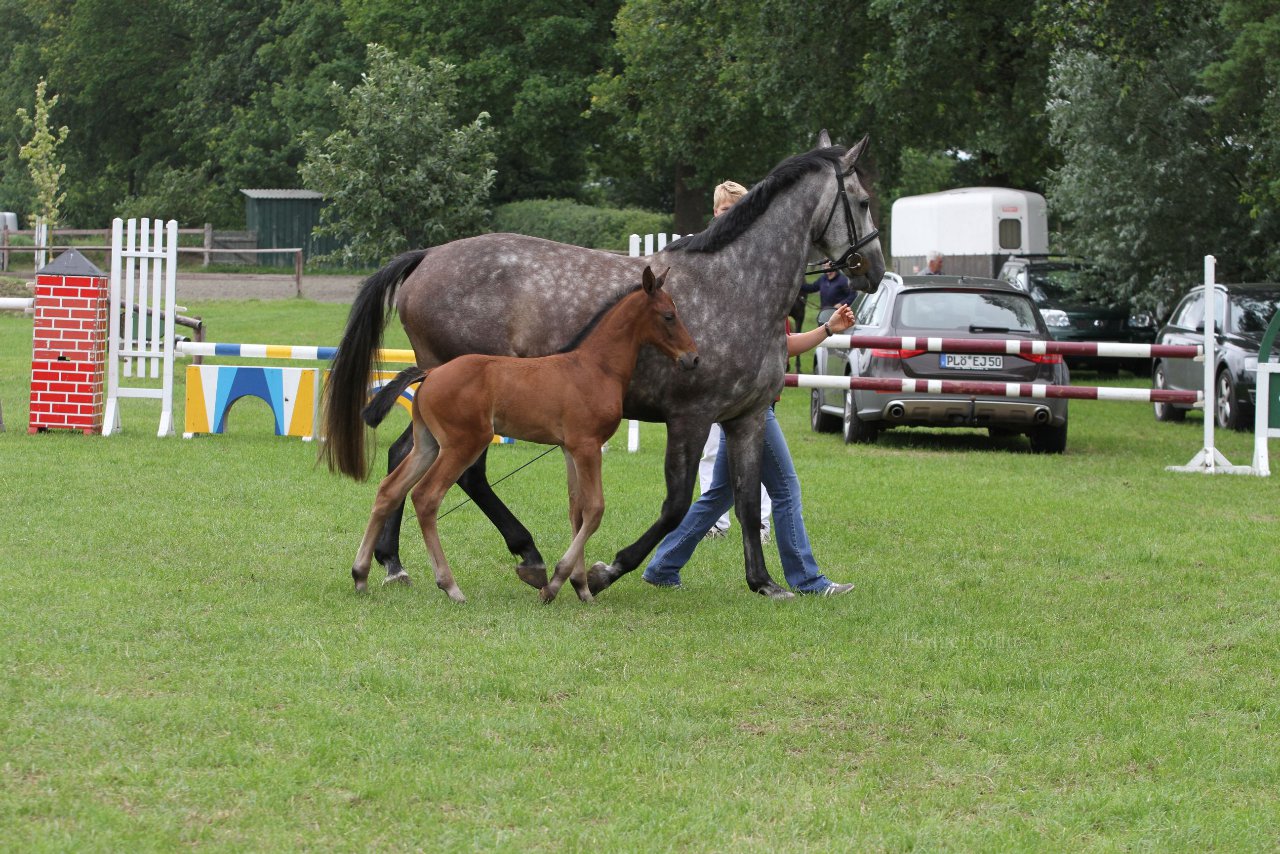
{"points": [[347, 389], [386, 396]]}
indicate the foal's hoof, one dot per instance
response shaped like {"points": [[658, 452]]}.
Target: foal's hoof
{"points": [[598, 577], [547, 595], [533, 575], [400, 577], [775, 592], [455, 594], [362, 587]]}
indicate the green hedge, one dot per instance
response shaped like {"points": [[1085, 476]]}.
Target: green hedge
{"points": [[582, 225]]}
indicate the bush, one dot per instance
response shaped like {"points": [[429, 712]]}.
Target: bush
{"points": [[567, 221]]}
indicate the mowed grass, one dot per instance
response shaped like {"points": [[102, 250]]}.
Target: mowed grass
{"points": [[1075, 652]]}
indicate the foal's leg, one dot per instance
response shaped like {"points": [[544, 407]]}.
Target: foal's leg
{"points": [[590, 504], [532, 570], [578, 576], [391, 495], [427, 496], [685, 439]]}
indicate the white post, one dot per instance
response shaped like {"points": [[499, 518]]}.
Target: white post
{"points": [[1209, 460], [1262, 430], [111, 419], [42, 240]]}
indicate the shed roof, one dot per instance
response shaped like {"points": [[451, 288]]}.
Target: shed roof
{"points": [[282, 194]]}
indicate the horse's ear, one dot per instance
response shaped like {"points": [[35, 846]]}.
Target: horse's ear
{"points": [[650, 285], [661, 280], [824, 139], [852, 155]]}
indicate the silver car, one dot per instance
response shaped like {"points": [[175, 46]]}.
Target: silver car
{"points": [[943, 307]]}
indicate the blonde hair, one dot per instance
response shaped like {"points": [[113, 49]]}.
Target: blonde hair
{"points": [[729, 191]]}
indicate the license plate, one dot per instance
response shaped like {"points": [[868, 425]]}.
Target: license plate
{"points": [[971, 362]]}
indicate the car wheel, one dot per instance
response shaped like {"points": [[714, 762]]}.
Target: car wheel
{"points": [[1165, 411], [1227, 410], [1049, 439], [819, 421], [856, 430]]}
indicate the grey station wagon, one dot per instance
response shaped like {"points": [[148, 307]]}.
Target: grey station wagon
{"points": [[943, 307]]}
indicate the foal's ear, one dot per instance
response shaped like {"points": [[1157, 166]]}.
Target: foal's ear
{"points": [[653, 283], [824, 139], [852, 155], [648, 282]]}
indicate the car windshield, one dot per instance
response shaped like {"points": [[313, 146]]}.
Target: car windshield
{"points": [[960, 310], [1054, 284], [1253, 313]]}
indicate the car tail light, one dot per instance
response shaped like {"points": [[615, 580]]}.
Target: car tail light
{"points": [[896, 354], [1043, 358]]}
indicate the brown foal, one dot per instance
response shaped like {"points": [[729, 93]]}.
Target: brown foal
{"points": [[572, 399]]}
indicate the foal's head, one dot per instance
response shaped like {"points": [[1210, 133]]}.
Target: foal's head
{"points": [[662, 326]]}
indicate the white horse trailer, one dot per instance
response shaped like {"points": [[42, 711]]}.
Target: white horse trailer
{"points": [[975, 228]]}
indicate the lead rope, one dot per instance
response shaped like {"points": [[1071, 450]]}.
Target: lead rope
{"points": [[467, 500]]}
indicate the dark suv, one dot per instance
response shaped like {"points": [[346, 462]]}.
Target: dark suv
{"points": [[1056, 285], [1242, 315]]}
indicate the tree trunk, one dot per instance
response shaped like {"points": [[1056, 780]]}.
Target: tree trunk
{"points": [[692, 202]]}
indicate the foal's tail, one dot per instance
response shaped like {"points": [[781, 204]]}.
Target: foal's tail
{"points": [[348, 386], [386, 396]]}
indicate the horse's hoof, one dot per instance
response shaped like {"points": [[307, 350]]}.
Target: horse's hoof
{"points": [[584, 595], [455, 594], [400, 577], [547, 595], [775, 592], [361, 587], [534, 576], [598, 577]]}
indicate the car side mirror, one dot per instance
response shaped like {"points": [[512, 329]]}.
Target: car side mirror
{"points": [[1200, 326]]}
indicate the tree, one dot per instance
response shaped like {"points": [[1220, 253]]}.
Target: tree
{"points": [[528, 66], [1245, 84], [1147, 186], [678, 106], [41, 154], [398, 173]]}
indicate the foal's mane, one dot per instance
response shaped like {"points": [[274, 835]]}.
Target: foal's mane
{"points": [[595, 321], [725, 229]]}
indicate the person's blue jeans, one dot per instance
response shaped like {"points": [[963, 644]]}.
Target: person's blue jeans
{"points": [[778, 474]]}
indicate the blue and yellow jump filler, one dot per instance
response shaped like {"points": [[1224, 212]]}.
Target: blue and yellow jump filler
{"points": [[292, 393]]}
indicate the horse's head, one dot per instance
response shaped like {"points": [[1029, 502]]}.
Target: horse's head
{"points": [[663, 327], [848, 235]]}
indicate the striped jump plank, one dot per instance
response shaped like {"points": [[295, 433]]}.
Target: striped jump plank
{"points": [[995, 389], [1016, 346], [279, 351]]}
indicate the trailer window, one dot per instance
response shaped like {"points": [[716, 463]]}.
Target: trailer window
{"points": [[1010, 234]]}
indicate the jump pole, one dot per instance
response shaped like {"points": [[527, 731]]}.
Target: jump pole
{"points": [[1209, 460]]}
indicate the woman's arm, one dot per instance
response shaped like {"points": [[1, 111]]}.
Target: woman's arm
{"points": [[803, 342]]}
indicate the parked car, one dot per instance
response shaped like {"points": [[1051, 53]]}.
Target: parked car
{"points": [[943, 307], [1056, 285], [1242, 313]]}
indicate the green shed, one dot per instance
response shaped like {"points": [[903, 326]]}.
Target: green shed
{"points": [[285, 219]]}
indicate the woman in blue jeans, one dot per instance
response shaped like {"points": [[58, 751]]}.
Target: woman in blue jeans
{"points": [[778, 474]]}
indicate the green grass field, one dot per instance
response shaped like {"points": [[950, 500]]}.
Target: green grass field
{"points": [[1075, 652]]}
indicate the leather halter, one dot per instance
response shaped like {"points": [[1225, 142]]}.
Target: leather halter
{"points": [[851, 261]]}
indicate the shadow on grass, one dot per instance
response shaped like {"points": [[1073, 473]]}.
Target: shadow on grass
{"points": [[953, 440]]}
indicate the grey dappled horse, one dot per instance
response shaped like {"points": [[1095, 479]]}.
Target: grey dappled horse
{"points": [[507, 294]]}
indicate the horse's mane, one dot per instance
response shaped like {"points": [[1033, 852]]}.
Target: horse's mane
{"points": [[595, 321], [725, 229]]}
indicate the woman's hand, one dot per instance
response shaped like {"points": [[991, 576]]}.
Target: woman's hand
{"points": [[842, 319]]}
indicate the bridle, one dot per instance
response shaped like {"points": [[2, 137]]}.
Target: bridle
{"points": [[851, 261]]}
